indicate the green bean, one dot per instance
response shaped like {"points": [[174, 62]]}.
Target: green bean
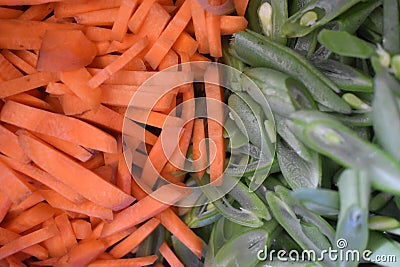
{"points": [[272, 14], [325, 11], [379, 244], [358, 119], [386, 115], [323, 202], [261, 52], [236, 137], [253, 20], [352, 226], [299, 95], [201, 215], [185, 255], [379, 201], [383, 223], [391, 26]]}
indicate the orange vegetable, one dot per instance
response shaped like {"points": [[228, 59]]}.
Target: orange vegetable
{"points": [[199, 148], [5, 204], [241, 6], [37, 12], [213, 24], [18, 62], [72, 105], [13, 185], [104, 17], [9, 145], [139, 16], [71, 8], [121, 23], [28, 56], [231, 24], [54, 245], [199, 24], [169, 255], [82, 228], [132, 262], [120, 46], [103, 61], [67, 234], [185, 44], [29, 202], [7, 70], [9, 13], [85, 252]]}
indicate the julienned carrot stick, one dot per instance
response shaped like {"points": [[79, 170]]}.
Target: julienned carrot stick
{"points": [[231, 24], [121, 23], [29, 202], [241, 6], [104, 17], [77, 81], [152, 118], [180, 230], [169, 255], [7, 70], [29, 218], [134, 239], [124, 44], [85, 252], [135, 64], [71, 8], [214, 34], [115, 238], [118, 64], [36, 250], [82, 228], [199, 148], [58, 89], [123, 175], [145, 208], [37, 12], [102, 47], [139, 15], [124, 77], [199, 23], [49, 123], [44, 178], [28, 56], [26, 83], [9, 13], [54, 245], [9, 145], [131, 262], [67, 234], [97, 34], [12, 185], [18, 62], [170, 59], [169, 36], [5, 204], [26, 241], [199, 57], [27, 99], [185, 44], [73, 105]]}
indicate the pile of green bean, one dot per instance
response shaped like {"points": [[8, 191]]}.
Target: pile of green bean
{"points": [[330, 70]]}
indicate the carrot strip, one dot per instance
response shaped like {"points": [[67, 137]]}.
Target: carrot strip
{"points": [[121, 23], [26, 2], [214, 34], [169, 255], [10, 13], [57, 89], [5, 205], [199, 57], [103, 61], [199, 24], [23, 242], [23, 34], [69, 148], [71, 8], [125, 77], [185, 44], [82, 228], [18, 62], [26, 83], [152, 118], [29, 202], [12, 185], [96, 161], [50, 124], [134, 239], [139, 15], [107, 172], [168, 37], [28, 56], [27, 99], [118, 64], [46, 262], [29, 218], [37, 12], [241, 6], [231, 24], [170, 59], [74, 175], [7, 70], [97, 34], [104, 17], [178, 228], [102, 47], [66, 231], [123, 175], [199, 148], [144, 209], [115, 238], [77, 81], [131, 262], [73, 105], [44, 178], [9, 145], [54, 245], [85, 252]]}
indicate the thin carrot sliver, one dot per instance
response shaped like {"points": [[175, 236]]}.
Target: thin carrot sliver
{"points": [[231, 24], [37, 12], [57, 89], [73, 105], [241, 6], [131, 262], [27, 99], [199, 149], [71, 8], [169, 255], [214, 34], [104, 17], [28, 56], [12, 185], [29, 202], [139, 15], [67, 234], [103, 61], [124, 44], [124, 177], [134, 239], [96, 161], [121, 23], [102, 47], [7, 70], [9, 145], [9, 13], [54, 245], [82, 228], [185, 44], [167, 38], [85, 252], [97, 34], [199, 24], [5, 205], [170, 59], [74, 175], [125, 77], [18, 62], [116, 237]]}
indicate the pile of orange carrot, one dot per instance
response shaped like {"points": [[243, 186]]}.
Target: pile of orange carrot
{"points": [[68, 70]]}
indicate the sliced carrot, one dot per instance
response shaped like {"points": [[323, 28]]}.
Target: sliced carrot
{"points": [[26, 83], [118, 64], [18, 62], [199, 148], [168, 37], [82, 228], [26, 241], [178, 228], [97, 34], [96, 161], [7, 70], [185, 44], [57, 89], [73, 105], [231, 24], [29, 218], [127, 42], [77, 81], [131, 262], [29, 202], [69, 148], [44, 178], [116, 237], [65, 50], [71, 8], [50, 124], [46, 262], [241, 6], [104, 17], [27, 99], [134, 239], [54, 245], [102, 47], [103, 61], [67, 234], [23, 34], [74, 175], [37, 12], [139, 15], [199, 24], [9, 145], [12, 185], [199, 57], [169, 255], [28, 56], [5, 205], [152, 118], [9, 13], [107, 172], [214, 34], [125, 77], [85, 252], [123, 175], [144, 209], [121, 23]]}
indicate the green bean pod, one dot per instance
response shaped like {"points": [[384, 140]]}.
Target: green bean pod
{"points": [[323, 202]]}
